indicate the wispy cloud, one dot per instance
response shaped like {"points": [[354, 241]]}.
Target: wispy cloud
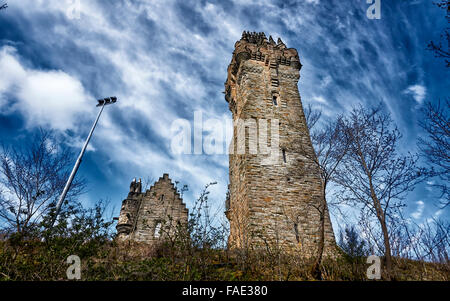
{"points": [[419, 211], [166, 59], [417, 91]]}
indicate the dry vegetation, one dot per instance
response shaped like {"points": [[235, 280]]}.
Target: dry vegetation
{"points": [[195, 252], [34, 260]]}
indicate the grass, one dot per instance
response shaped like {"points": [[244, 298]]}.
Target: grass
{"points": [[38, 261]]}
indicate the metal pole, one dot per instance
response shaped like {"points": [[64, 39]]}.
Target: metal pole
{"points": [[75, 168]]}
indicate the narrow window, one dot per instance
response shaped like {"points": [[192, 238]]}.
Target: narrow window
{"points": [[297, 236], [157, 230], [284, 156], [162, 197], [275, 100]]}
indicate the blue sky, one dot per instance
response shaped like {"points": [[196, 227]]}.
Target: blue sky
{"points": [[166, 59]]}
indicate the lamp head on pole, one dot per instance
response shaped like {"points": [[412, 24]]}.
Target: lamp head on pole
{"points": [[106, 101]]}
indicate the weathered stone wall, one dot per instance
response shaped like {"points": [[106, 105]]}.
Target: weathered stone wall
{"points": [[151, 216], [276, 203]]}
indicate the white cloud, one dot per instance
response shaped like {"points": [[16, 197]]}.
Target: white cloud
{"points": [[169, 65], [320, 99], [418, 213], [323, 105], [417, 91], [429, 186], [13, 71], [45, 98], [438, 213], [326, 81]]}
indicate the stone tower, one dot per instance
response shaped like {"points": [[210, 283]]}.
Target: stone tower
{"points": [[271, 202], [149, 216]]}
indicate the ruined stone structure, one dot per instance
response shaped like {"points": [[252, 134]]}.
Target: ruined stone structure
{"points": [[271, 202], [151, 215]]}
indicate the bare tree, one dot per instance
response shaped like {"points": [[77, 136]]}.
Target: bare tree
{"points": [[312, 117], [435, 241], [436, 148], [438, 49], [31, 178], [330, 144], [428, 241], [373, 173]]}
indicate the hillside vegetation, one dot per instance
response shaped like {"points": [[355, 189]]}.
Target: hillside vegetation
{"points": [[107, 260]]}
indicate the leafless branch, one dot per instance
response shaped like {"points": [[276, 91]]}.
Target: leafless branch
{"points": [[32, 177], [436, 146], [373, 173]]}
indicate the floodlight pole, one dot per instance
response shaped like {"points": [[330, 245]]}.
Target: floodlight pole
{"points": [[102, 104]]}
